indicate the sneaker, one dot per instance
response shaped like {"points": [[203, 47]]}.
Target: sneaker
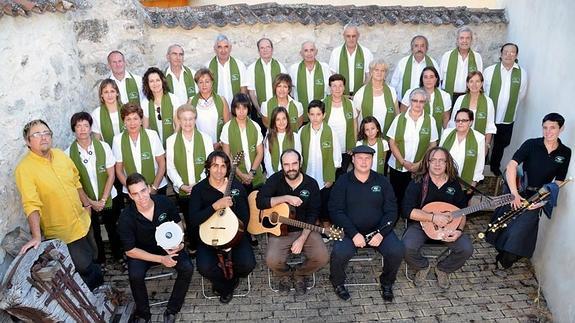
{"points": [[421, 276], [285, 284], [300, 286], [442, 278]]}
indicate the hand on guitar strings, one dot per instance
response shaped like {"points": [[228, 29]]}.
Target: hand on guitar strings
{"points": [[223, 203], [441, 219]]}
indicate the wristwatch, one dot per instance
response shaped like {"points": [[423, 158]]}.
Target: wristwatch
{"points": [[253, 172]]}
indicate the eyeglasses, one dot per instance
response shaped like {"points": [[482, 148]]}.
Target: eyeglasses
{"points": [[417, 101], [461, 120], [41, 134], [437, 161], [159, 115]]}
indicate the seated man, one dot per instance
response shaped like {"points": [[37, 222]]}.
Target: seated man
{"points": [[206, 198], [362, 202], [137, 228], [302, 192], [435, 181]]}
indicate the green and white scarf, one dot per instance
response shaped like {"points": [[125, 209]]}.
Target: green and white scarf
{"points": [[381, 154], [106, 126], [260, 78], [424, 137], [235, 76], [480, 122], [438, 109], [471, 151], [515, 85], [326, 150], [358, 68], [219, 102], [406, 82], [181, 158], [235, 140], [367, 105], [132, 90], [318, 85], [146, 156], [101, 171], [291, 108], [274, 148], [167, 112], [348, 115], [188, 81], [452, 69]]}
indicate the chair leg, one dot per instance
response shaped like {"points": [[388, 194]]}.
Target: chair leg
{"points": [[249, 288]]}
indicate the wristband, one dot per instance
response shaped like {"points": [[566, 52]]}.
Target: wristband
{"points": [[154, 188]]}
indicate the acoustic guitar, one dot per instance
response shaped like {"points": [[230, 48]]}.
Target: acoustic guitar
{"points": [[276, 219], [223, 229], [439, 233]]}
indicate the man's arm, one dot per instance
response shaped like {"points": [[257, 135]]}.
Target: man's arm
{"points": [[34, 224], [337, 206], [167, 260]]}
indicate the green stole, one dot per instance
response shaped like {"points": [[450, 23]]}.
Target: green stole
{"points": [[318, 85], [260, 78], [480, 123], [471, 152], [218, 101], [452, 68], [291, 108], [234, 74], [274, 148], [146, 155], [326, 140], [348, 114], [438, 110], [106, 126], [358, 70], [367, 105], [167, 112], [381, 154], [101, 171], [406, 82], [235, 140], [132, 90], [188, 81], [424, 137], [495, 88], [181, 158]]}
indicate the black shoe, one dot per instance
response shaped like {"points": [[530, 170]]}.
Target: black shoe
{"points": [[226, 298], [169, 317], [387, 293], [300, 286], [342, 292]]}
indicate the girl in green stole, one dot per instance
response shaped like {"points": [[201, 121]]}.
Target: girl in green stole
{"points": [[282, 89], [108, 114], [370, 134], [236, 132], [279, 138]]}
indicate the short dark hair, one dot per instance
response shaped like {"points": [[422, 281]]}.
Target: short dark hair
{"points": [[554, 117], [510, 44], [134, 179], [147, 91], [429, 68], [29, 125], [465, 110], [336, 77], [289, 151], [282, 78], [80, 116], [111, 83], [210, 161], [241, 99], [262, 39], [130, 108], [316, 104], [115, 52]]}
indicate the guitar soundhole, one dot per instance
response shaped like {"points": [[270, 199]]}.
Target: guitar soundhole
{"points": [[267, 224]]}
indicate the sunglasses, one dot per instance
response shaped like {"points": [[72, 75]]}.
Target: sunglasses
{"points": [[159, 115]]}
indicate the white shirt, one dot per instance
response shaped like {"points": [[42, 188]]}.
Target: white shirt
{"points": [[410, 137], [374, 147], [189, 145], [315, 158], [97, 125], [338, 125], [225, 80], [244, 137], [88, 157], [416, 69], [489, 127], [267, 67], [503, 99], [122, 86], [310, 80], [175, 104], [457, 151], [444, 95], [334, 62], [268, 155], [379, 108], [460, 85], [179, 85], [157, 151], [207, 119], [299, 107]]}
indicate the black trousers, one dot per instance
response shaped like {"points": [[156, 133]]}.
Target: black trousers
{"points": [[500, 141], [137, 273], [345, 162], [324, 195], [109, 218], [192, 233], [83, 252], [243, 260], [399, 181]]}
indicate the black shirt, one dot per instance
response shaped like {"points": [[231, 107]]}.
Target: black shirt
{"points": [[204, 195], [307, 191], [363, 207], [450, 192], [136, 231], [540, 166]]}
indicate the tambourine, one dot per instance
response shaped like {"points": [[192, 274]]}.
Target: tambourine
{"points": [[169, 235]]}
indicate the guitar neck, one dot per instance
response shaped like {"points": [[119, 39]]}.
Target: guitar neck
{"points": [[475, 208], [300, 224], [230, 180]]}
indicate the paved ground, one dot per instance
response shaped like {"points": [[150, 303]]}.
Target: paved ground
{"points": [[479, 292]]}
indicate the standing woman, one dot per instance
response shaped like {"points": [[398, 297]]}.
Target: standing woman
{"points": [[439, 104], [160, 105], [212, 109], [370, 134], [282, 89], [376, 98], [106, 118], [280, 137], [480, 104], [467, 147], [242, 134], [139, 150], [186, 153]]}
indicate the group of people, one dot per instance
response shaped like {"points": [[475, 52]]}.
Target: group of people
{"points": [[299, 147]]}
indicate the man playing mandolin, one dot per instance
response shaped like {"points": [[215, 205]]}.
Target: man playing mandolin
{"points": [[301, 191], [435, 181], [223, 267]]}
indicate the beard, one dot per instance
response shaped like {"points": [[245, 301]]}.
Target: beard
{"points": [[292, 174]]}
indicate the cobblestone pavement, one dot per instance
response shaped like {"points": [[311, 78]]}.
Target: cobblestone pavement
{"points": [[479, 292]]}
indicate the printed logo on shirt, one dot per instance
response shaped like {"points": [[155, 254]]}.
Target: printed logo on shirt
{"points": [[133, 96], [293, 119], [253, 148], [437, 109], [304, 194], [326, 144], [349, 115], [376, 188], [101, 169], [472, 69], [450, 190], [168, 121], [359, 66], [318, 82], [162, 217], [425, 131], [516, 80], [235, 77], [390, 109], [220, 121], [191, 89], [199, 160], [471, 153], [381, 161], [235, 192], [481, 115], [559, 159], [146, 155]]}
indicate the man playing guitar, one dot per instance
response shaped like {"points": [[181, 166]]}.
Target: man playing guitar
{"points": [[222, 267], [435, 180], [301, 191]]}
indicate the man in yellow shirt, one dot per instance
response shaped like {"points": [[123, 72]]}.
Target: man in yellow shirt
{"points": [[52, 199]]}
